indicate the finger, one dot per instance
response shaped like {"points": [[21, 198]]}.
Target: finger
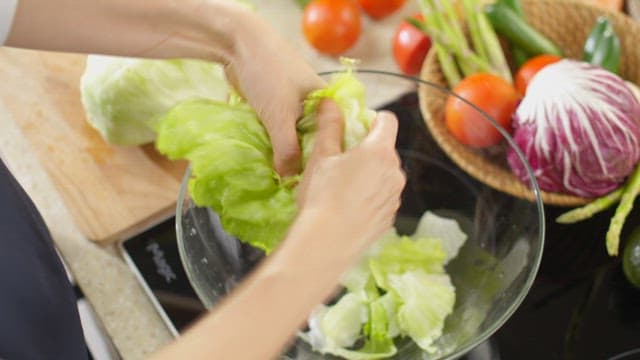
{"points": [[384, 129], [328, 140], [286, 151]]}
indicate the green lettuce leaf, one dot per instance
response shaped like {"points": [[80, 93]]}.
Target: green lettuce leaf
{"points": [[356, 317], [425, 301], [403, 282], [231, 166], [407, 254], [447, 230], [124, 98], [350, 95], [231, 157]]}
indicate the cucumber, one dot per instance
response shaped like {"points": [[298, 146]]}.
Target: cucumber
{"points": [[515, 29], [631, 258], [518, 55], [513, 5]]}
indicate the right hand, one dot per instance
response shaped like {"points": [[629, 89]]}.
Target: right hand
{"points": [[357, 191]]}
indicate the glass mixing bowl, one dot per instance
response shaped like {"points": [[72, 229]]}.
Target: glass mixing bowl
{"points": [[492, 272]]}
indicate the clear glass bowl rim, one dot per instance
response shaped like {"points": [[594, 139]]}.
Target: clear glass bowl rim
{"points": [[482, 337]]}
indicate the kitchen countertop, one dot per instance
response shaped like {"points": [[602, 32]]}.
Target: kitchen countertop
{"points": [[127, 314]]}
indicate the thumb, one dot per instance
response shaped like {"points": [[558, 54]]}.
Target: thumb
{"points": [[328, 140], [384, 130], [286, 150]]}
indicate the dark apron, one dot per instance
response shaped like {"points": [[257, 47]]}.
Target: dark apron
{"points": [[38, 312]]}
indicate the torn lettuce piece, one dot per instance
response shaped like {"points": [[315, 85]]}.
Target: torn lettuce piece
{"points": [[338, 328], [342, 323], [350, 95], [425, 301], [447, 230], [390, 303], [409, 294], [407, 254]]}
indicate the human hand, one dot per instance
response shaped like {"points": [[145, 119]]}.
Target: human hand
{"points": [[358, 190], [275, 80]]}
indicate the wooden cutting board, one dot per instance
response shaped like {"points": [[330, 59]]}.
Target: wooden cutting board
{"points": [[113, 192]]}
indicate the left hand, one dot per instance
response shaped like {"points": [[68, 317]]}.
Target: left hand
{"points": [[275, 80]]}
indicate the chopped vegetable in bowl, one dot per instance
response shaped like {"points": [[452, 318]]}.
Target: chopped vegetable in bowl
{"points": [[403, 278]]}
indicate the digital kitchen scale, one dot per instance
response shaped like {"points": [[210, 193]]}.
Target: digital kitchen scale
{"points": [[580, 306]]}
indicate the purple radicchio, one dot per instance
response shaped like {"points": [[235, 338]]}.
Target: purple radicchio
{"points": [[579, 128]]}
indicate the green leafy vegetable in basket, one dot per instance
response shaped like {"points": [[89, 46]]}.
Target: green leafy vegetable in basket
{"points": [[515, 29], [518, 54], [602, 46]]}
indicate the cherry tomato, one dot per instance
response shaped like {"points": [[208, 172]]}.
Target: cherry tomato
{"points": [[378, 9], [331, 26], [410, 46], [530, 68], [492, 94]]}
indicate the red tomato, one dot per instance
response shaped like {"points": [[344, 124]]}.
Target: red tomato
{"points": [[379, 9], [410, 46], [331, 26], [530, 68], [492, 94]]}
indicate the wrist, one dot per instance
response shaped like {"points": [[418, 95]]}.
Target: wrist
{"points": [[321, 239]]}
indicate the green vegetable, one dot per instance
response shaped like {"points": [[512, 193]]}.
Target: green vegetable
{"points": [[631, 258], [507, 23], [302, 3], [514, 5], [492, 43], [438, 227], [629, 194], [343, 321], [602, 46], [475, 30], [350, 94], [446, 60], [124, 98], [417, 294], [231, 157], [457, 57], [518, 55], [426, 301], [407, 254], [626, 196], [590, 209], [231, 168]]}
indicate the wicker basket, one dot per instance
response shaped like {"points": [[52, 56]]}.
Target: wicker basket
{"points": [[567, 23]]}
